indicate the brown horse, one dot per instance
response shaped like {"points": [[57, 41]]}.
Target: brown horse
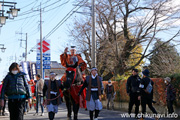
{"points": [[72, 85]]}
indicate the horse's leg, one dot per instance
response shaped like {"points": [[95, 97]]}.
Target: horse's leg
{"points": [[75, 109], [68, 105]]}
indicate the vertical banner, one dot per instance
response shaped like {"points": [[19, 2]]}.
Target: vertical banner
{"points": [[25, 66], [33, 71]]}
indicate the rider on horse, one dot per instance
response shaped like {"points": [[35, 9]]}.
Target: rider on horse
{"points": [[72, 58], [70, 61]]}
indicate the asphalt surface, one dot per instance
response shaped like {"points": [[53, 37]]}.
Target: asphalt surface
{"points": [[83, 115]]}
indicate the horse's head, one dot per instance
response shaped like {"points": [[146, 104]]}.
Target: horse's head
{"points": [[70, 74]]}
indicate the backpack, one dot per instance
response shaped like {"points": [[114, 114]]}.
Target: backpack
{"points": [[109, 89], [149, 88]]}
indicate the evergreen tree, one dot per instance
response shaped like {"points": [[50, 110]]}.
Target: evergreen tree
{"points": [[164, 61]]}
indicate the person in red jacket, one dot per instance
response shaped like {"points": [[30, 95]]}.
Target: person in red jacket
{"points": [[32, 87], [72, 58], [2, 109]]}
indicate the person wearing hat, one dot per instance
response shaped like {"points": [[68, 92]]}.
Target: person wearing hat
{"points": [[72, 58], [51, 95], [39, 94], [170, 94], [132, 88], [145, 97], [109, 90], [95, 88]]}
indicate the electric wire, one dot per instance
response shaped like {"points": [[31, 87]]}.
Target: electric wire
{"points": [[27, 17], [67, 16], [38, 13], [63, 20], [28, 4], [36, 6], [33, 9]]}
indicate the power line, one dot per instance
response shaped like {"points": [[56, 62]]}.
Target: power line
{"points": [[38, 13], [32, 10], [28, 15], [35, 6], [23, 18], [28, 4], [28, 22], [58, 6], [53, 14], [36, 29], [63, 20]]}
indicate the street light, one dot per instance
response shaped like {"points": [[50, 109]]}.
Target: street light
{"points": [[3, 20], [3, 48], [12, 13]]}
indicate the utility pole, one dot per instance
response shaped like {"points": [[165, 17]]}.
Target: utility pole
{"points": [[15, 57], [25, 53], [93, 52], [41, 48], [26, 49]]}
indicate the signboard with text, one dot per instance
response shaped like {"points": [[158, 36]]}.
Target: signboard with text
{"points": [[46, 55]]}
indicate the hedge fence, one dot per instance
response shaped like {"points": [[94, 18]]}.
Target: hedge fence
{"points": [[158, 89]]}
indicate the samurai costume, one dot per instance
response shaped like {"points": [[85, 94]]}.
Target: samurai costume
{"points": [[94, 89], [51, 93]]}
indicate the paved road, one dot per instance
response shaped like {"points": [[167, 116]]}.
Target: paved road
{"points": [[83, 115]]}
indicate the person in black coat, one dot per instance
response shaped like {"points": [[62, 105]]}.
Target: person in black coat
{"points": [[145, 97], [16, 88], [132, 88], [170, 95], [109, 90]]}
